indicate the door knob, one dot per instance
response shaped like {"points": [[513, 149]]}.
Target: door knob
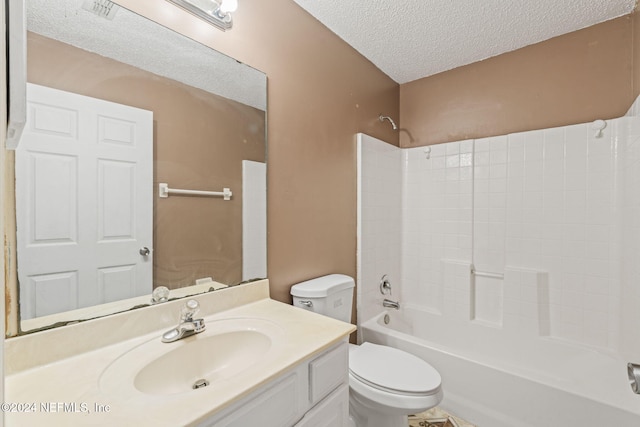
{"points": [[144, 251]]}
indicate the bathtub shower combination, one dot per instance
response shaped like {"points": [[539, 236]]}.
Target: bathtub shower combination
{"points": [[514, 261]]}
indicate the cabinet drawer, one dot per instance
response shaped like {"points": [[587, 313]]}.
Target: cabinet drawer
{"points": [[328, 371]]}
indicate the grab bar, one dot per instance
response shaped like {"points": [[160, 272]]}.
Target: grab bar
{"points": [[164, 191], [486, 274]]}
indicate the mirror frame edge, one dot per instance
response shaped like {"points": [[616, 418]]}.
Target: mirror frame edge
{"points": [[15, 97], [17, 72]]}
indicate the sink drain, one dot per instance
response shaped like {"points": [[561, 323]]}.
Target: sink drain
{"points": [[200, 383]]}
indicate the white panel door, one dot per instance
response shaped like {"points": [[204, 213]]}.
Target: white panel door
{"points": [[84, 202], [254, 220]]}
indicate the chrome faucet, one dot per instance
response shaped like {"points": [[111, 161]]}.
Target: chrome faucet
{"points": [[188, 325], [387, 303]]}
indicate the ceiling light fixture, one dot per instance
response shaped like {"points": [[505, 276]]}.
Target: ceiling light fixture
{"points": [[216, 12]]}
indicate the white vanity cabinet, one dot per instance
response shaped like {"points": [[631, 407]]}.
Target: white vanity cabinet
{"points": [[314, 393]]}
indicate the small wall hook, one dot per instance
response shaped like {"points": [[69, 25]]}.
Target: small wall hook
{"points": [[598, 126]]}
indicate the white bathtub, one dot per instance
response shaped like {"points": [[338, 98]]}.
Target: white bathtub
{"points": [[494, 379]]}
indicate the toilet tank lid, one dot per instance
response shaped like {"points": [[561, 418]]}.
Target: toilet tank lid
{"points": [[322, 286]]}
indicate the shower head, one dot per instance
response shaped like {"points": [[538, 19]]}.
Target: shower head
{"points": [[383, 118]]}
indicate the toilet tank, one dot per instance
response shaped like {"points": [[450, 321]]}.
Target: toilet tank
{"points": [[330, 295]]}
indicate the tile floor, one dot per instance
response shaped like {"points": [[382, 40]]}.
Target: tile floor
{"points": [[436, 417]]}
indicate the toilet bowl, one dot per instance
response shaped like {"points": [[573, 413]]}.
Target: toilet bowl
{"points": [[385, 384]]}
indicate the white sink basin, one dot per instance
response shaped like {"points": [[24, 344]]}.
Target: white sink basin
{"points": [[227, 348]]}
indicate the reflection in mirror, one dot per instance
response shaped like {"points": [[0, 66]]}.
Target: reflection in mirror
{"points": [[117, 105]]}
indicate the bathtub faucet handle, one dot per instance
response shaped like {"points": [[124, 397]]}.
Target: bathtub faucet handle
{"points": [[385, 286]]}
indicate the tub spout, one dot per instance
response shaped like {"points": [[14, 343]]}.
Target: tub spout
{"points": [[387, 303]]}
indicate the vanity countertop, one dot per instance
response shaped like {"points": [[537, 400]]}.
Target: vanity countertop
{"points": [[69, 391]]}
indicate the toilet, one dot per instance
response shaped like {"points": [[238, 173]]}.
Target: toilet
{"points": [[385, 384]]}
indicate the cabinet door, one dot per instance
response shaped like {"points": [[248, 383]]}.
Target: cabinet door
{"points": [[328, 371], [330, 412], [277, 406]]}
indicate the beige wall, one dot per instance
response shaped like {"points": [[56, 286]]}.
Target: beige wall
{"points": [[635, 40], [200, 140], [321, 92], [574, 78]]}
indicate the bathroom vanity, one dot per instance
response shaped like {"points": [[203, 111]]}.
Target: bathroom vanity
{"points": [[313, 393], [259, 362]]}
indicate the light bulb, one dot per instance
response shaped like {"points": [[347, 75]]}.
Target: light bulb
{"points": [[228, 6]]}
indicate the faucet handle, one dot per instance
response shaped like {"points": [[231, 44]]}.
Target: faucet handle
{"points": [[190, 309], [160, 294], [385, 285]]}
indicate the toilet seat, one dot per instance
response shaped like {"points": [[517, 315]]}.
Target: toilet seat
{"points": [[393, 371]]}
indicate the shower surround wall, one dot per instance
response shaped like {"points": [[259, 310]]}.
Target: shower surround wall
{"points": [[552, 215], [379, 223]]}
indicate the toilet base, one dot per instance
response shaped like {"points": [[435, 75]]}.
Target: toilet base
{"points": [[364, 416]]}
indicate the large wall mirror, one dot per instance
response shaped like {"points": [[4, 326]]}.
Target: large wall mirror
{"points": [[116, 106]]}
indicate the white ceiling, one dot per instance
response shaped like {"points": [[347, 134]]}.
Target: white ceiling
{"points": [[411, 39]]}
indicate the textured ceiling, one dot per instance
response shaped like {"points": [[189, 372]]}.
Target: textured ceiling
{"points": [[411, 39], [142, 43]]}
